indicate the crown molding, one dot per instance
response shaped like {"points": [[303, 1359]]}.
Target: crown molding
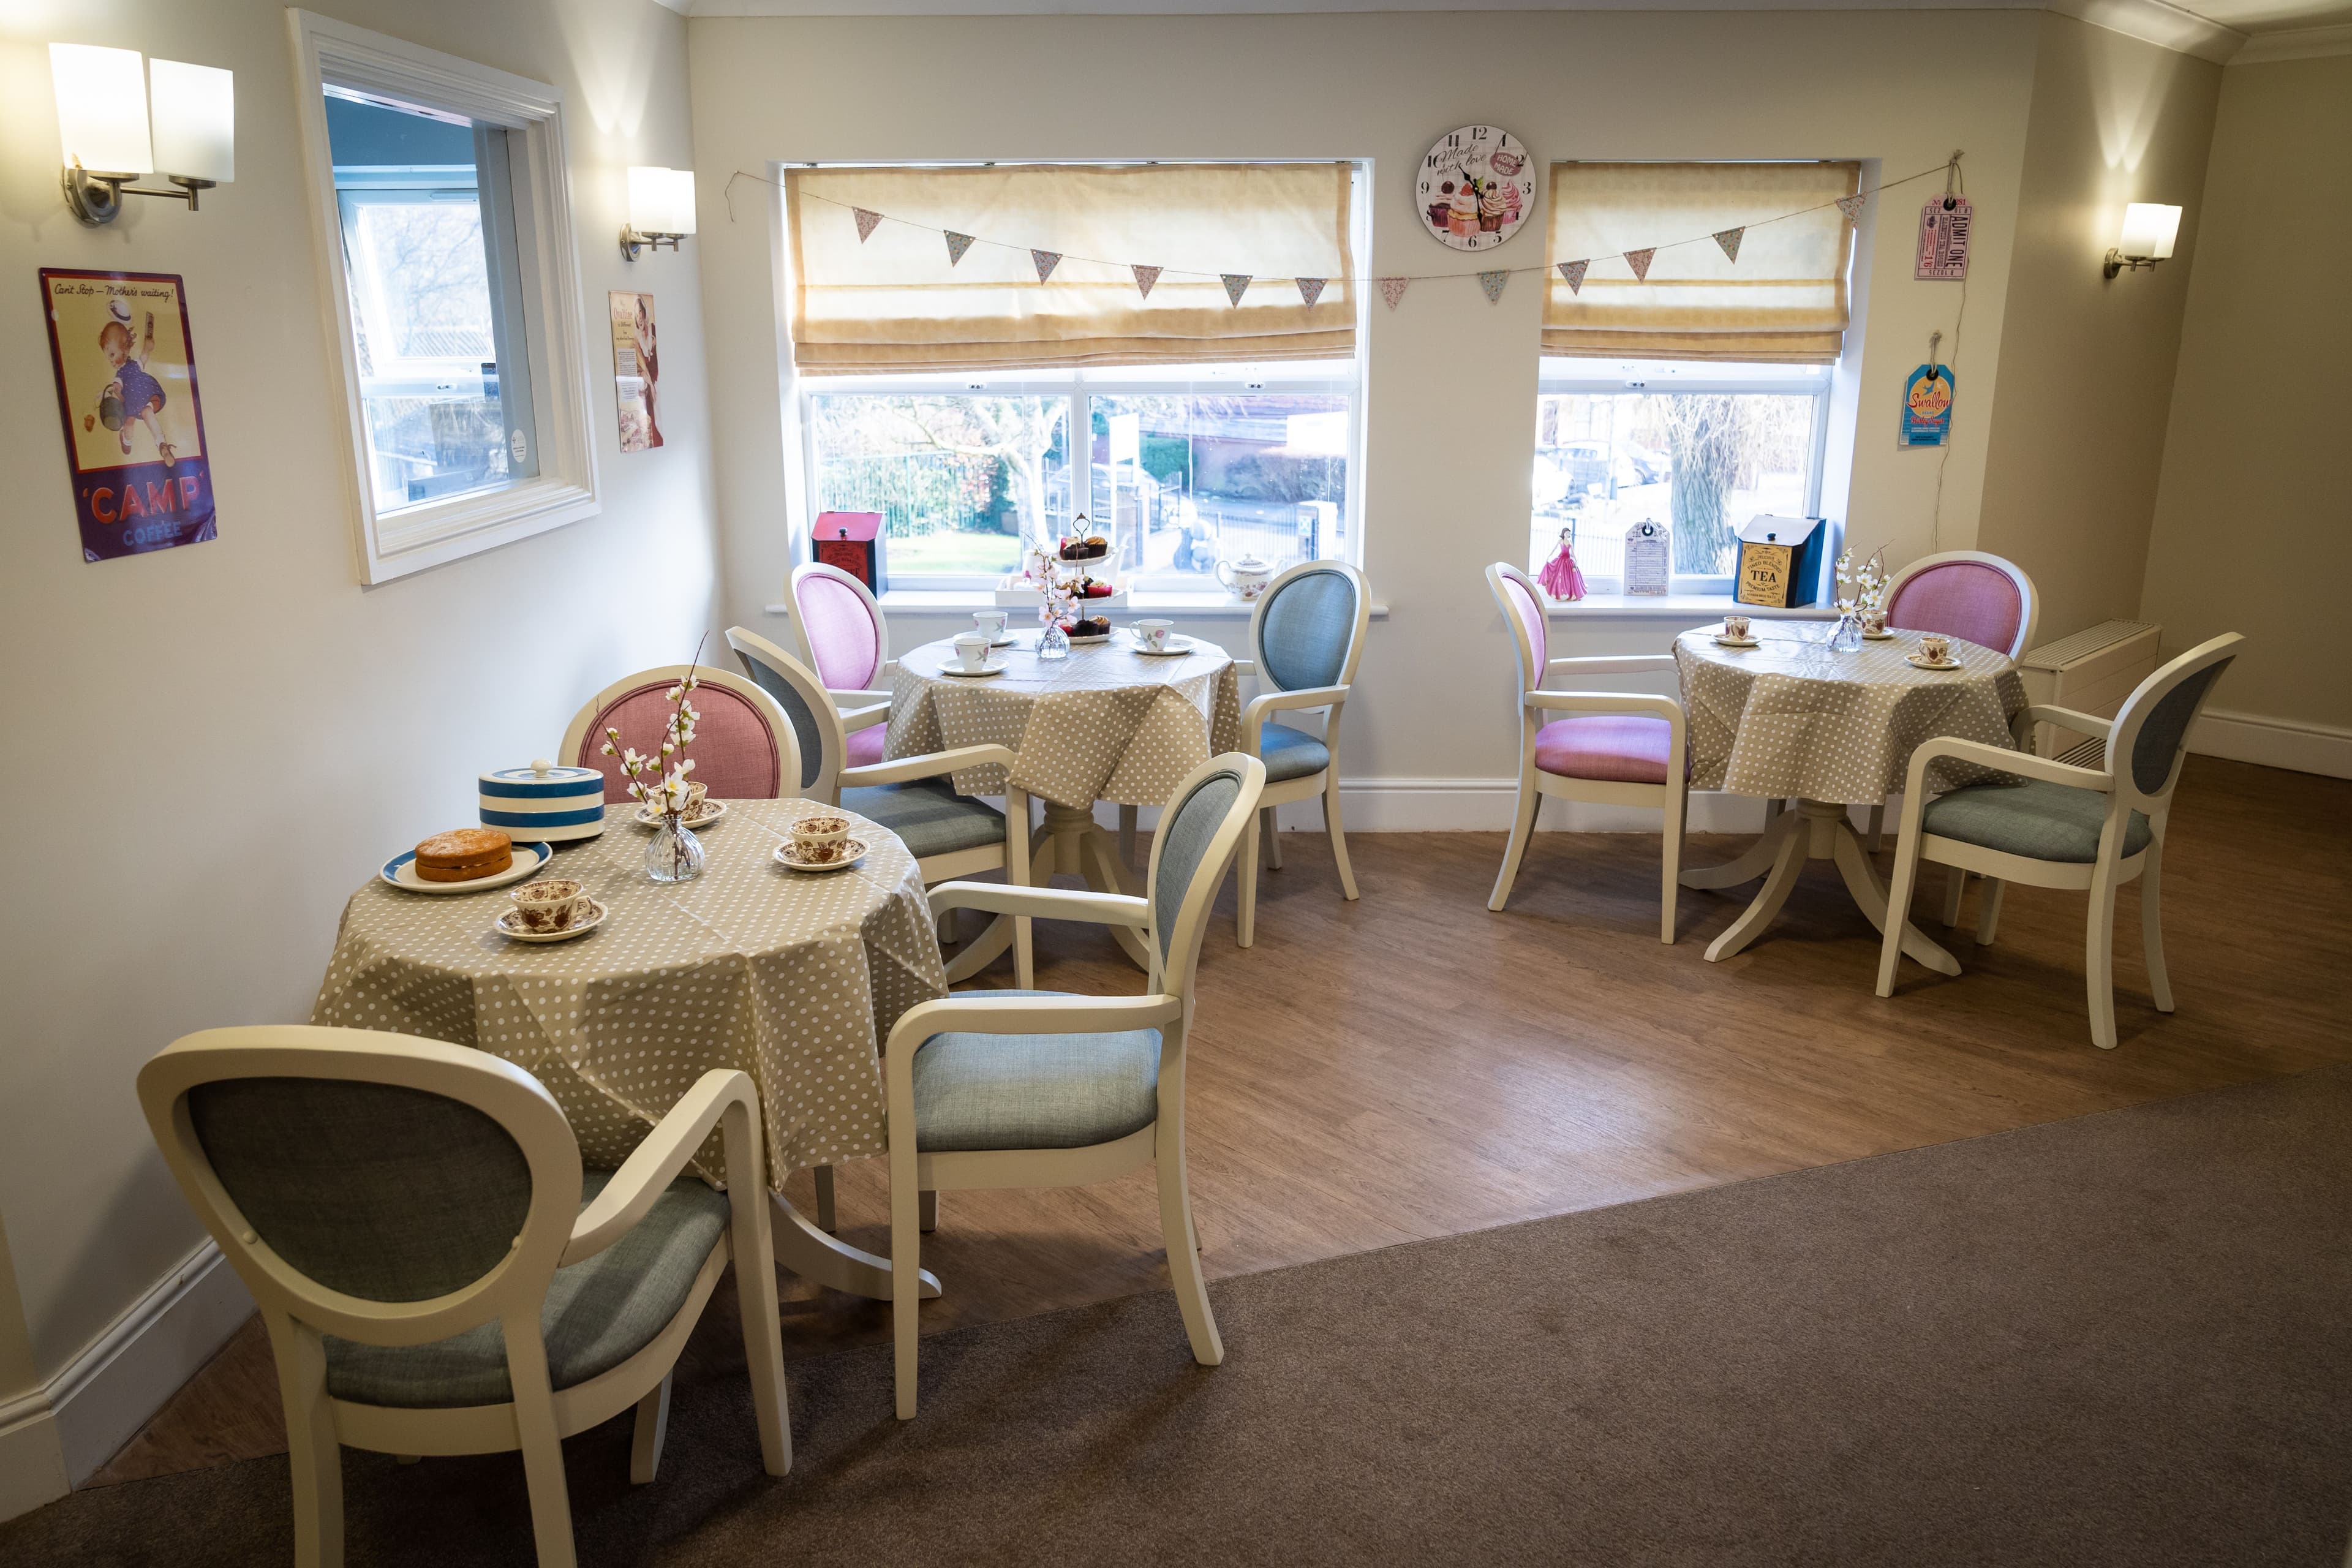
{"points": [[2295, 43]]}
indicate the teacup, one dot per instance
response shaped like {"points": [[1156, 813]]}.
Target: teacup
{"points": [[1936, 648], [1736, 627], [550, 904], [990, 623], [1874, 623], [1153, 635], [820, 840], [971, 650]]}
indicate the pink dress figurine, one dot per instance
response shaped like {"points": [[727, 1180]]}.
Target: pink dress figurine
{"points": [[1560, 577]]}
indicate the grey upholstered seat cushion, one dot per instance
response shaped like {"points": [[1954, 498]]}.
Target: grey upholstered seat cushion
{"points": [[928, 814], [1290, 753], [2039, 820], [600, 1311], [1034, 1092]]}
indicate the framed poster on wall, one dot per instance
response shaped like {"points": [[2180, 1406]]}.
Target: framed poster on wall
{"points": [[126, 376], [636, 371]]}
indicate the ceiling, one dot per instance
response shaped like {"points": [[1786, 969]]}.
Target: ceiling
{"points": [[2222, 30]]}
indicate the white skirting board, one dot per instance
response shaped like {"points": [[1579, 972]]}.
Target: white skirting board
{"points": [[1482, 806], [32, 1461], [2274, 742]]}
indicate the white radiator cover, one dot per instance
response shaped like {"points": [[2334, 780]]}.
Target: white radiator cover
{"points": [[2092, 672]]}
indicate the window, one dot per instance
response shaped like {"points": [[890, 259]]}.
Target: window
{"points": [[446, 246], [1700, 447]]}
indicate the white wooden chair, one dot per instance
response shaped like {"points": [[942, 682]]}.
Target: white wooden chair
{"points": [[1038, 1088], [1307, 636], [1986, 599], [436, 1273], [1617, 748], [2063, 827], [744, 747], [847, 639]]}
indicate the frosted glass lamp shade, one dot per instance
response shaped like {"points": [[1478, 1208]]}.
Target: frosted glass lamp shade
{"points": [[101, 109], [661, 201], [196, 121], [2149, 230]]}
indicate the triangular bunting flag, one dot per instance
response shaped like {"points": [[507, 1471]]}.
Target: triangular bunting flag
{"points": [[1729, 239], [1852, 206], [1310, 288], [1145, 277], [1639, 260], [1573, 274], [1046, 261], [1493, 283], [866, 222], [1393, 290], [1235, 283], [957, 245]]}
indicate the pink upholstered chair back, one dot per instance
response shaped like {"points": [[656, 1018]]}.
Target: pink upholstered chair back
{"points": [[1963, 598], [1522, 601], [736, 755], [845, 640]]}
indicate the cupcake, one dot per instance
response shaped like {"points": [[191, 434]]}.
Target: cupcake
{"points": [[1490, 209], [1462, 215]]}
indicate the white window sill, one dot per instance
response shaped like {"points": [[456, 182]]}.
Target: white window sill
{"points": [[964, 601], [1679, 607]]}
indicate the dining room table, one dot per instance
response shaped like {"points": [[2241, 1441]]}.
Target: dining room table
{"points": [[1794, 719], [1109, 723], [794, 978]]}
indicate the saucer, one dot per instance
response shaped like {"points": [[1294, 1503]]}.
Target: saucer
{"points": [[1736, 642], [1078, 641], [702, 817], [787, 855], [1177, 647], [510, 925], [994, 667], [1880, 637], [1917, 662], [529, 859]]}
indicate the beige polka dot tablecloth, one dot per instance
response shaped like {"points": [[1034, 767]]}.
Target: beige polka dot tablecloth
{"points": [[1105, 723], [792, 976], [1793, 717]]}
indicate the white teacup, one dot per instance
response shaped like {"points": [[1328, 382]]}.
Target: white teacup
{"points": [[1153, 635], [820, 840], [1736, 627], [551, 903], [971, 650], [1936, 648], [990, 623]]}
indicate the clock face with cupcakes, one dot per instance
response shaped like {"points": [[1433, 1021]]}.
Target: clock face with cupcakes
{"points": [[1474, 188]]}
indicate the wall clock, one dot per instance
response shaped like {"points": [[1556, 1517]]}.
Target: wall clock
{"points": [[1475, 187]]}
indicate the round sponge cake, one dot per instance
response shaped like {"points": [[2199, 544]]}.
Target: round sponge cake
{"points": [[463, 854]]}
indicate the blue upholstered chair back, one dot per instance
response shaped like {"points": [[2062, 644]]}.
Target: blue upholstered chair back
{"points": [[1307, 629], [800, 693], [381, 1192], [2152, 729]]}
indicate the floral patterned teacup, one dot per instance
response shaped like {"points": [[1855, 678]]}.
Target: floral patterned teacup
{"points": [[550, 904], [820, 840]]}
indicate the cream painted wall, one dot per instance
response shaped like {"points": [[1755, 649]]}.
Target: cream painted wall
{"points": [[2087, 361], [213, 745], [2253, 531], [1450, 394]]}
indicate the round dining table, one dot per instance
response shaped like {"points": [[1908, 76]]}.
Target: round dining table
{"points": [[794, 977], [1107, 723], [1793, 717]]}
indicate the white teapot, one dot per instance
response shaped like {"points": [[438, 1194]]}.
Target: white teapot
{"points": [[1245, 579]]}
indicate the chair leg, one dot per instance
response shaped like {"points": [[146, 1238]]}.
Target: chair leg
{"points": [[1877, 825], [1127, 816], [1676, 800], [536, 1436], [753, 1244], [1898, 908], [314, 1455], [1955, 887], [2099, 956], [1273, 840], [1246, 875], [2151, 926], [1338, 832], [1018, 849], [1523, 826], [1989, 909], [1183, 1247], [652, 1428], [906, 1281], [931, 1211], [827, 1218]]}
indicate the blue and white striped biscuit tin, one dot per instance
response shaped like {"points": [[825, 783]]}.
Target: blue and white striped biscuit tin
{"points": [[545, 802]]}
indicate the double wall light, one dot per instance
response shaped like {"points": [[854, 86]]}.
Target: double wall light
{"points": [[661, 209], [104, 99], [2149, 230]]}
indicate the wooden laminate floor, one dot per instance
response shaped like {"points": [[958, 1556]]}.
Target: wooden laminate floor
{"points": [[1412, 1065]]}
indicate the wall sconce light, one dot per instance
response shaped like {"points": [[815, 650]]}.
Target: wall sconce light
{"points": [[103, 102], [2149, 230], [661, 209]]}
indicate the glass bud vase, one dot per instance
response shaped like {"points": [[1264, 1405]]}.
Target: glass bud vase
{"points": [[1847, 638], [674, 854], [1053, 642]]}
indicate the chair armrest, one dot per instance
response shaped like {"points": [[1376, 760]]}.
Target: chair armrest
{"points": [[841, 695], [1268, 702], [1046, 903], [1665, 707], [2025, 765], [1613, 663], [2064, 717], [647, 1173], [1244, 668], [930, 765], [865, 717], [1023, 1016]]}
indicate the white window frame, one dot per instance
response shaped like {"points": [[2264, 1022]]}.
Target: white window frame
{"points": [[392, 544], [1562, 375]]}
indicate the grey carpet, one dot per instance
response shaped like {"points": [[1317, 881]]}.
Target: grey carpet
{"points": [[2117, 1340]]}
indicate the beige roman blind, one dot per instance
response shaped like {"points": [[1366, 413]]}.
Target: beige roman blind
{"points": [[1784, 300], [893, 303]]}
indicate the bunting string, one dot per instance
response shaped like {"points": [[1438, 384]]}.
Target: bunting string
{"points": [[1392, 286]]}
